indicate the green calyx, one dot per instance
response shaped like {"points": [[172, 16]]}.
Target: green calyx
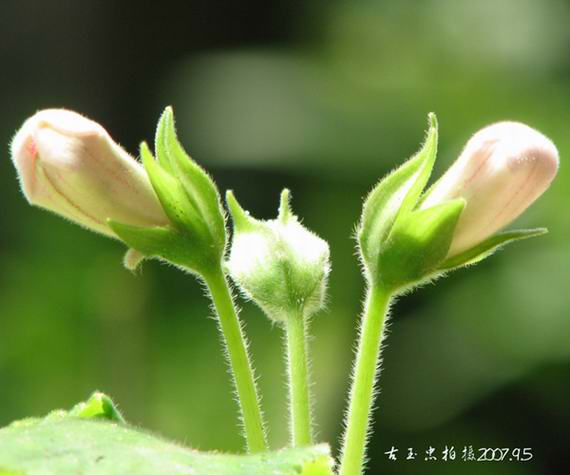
{"points": [[401, 245], [195, 238], [279, 264]]}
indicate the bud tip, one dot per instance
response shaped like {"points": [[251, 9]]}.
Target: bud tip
{"points": [[285, 212], [432, 120], [241, 218]]}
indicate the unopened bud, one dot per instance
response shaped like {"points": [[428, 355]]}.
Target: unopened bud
{"points": [[503, 169], [70, 165], [279, 264]]}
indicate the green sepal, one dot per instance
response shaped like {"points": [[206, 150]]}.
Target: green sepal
{"points": [[166, 243], [417, 245], [241, 218], [488, 247], [428, 154], [243, 221], [200, 188], [392, 198], [171, 194], [285, 212], [160, 149]]}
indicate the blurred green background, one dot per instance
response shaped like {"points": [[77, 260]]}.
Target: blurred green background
{"points": [[323, 97]]}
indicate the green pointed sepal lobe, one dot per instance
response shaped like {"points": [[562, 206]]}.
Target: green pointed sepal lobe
{"points": [[199, 186], [488, 247], [418, 243]]}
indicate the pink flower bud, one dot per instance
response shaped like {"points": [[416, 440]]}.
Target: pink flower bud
{"points": [[503, 169], [70, 165]]}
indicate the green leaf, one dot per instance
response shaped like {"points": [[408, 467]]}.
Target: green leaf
{"points": [[200, 188], [395, 195], [86, 441], [418, 244], [488, 247]]}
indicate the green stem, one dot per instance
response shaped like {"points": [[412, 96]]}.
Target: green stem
{"points": [[240, 364], [299, 390], [364, 379]]}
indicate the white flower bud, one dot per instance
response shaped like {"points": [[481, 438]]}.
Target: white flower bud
{"points": [[70, 165], [503, 169]]}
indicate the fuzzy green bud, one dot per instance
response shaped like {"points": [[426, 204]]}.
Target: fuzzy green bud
{"points": [[279, 264]]}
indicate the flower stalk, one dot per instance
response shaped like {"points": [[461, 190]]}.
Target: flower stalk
{"points": [[299, 387], [239, 361], [365, 373]]}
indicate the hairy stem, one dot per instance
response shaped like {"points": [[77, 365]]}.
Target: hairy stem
{"points": [[299, 389], [363, 381], [239, 361]]}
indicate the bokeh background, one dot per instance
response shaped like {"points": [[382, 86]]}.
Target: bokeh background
{"points": [[323, 97]]}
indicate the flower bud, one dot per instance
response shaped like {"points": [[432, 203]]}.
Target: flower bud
{"points": [[503, 169], [70, 165], [279, 264]]}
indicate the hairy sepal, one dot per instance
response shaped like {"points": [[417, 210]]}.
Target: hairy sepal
{"points": [[171, 194], [488, 247], [417, 245], [392, 199], [167, 243], [199, 186]]}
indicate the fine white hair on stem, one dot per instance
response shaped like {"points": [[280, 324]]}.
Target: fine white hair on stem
{"points": [[365, 313], [308, 338], [227, 357]]}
